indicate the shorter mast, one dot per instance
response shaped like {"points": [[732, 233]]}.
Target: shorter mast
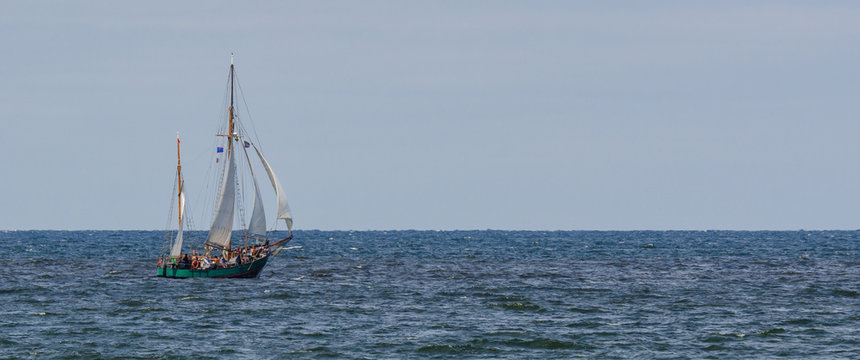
{"points": [[176, 250], [179, 174]]}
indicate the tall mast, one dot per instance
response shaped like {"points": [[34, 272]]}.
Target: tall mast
{"points": [[230, 128], [222, 224], [179, 176]]}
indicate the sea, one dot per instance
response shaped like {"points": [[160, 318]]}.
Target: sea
{"points": [[484, 294]]}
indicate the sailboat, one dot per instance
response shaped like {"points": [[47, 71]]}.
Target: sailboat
{"points": [[222, 256]]}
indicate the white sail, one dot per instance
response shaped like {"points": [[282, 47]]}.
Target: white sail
{"points": [[283, 206], [176, 250], [222, 224], [257, 224]]}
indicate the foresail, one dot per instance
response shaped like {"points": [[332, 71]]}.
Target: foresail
{"points": [[222, 224], [176, 250], [283, 206], [257, 225], [177, 245]]}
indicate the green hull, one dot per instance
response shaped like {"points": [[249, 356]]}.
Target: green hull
{"points": [[249, 270]]}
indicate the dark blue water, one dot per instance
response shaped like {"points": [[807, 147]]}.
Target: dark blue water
{"points": [[450, 294]]}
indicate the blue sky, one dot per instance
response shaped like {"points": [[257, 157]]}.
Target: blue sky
{"points": [[442, 115]]}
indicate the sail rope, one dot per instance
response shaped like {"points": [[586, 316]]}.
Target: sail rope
{"points": [[218, 141], [240, 196], [255, 138]]}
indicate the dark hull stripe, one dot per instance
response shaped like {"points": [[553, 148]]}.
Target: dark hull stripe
{"points": [[254, 269]]}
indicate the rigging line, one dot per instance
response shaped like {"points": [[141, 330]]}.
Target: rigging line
{"points": [[253, 182], [226, 93], [197, 156], [222, 128], [194, 158], [209, 185], [219, 185], [239, 176], [247, 109], [201, 202], [211, 182], [243, 201], [240, 194], [187, 218]]}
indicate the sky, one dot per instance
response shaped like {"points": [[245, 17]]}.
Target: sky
{"points": [[536, 115]]}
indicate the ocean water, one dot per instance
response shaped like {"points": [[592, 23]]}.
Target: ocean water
{"points": [[448, 294]]}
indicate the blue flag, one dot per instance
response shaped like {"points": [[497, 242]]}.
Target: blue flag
{"points": [[219, 149]]}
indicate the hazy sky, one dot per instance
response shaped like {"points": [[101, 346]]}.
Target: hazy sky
{"points": [[443, 114]]}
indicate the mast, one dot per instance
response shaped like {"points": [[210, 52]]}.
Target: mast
{"points": [[222, 224], [230, 125], [179, 175], [176, 249], [230, 128]]}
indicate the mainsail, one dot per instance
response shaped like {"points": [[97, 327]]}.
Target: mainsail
{"points": [[222, 224], [283, 206]]}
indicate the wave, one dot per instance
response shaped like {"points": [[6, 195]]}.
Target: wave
{"points": [[769, 332], [454, 349], [549, 344], [846, 292], [518, 306]]}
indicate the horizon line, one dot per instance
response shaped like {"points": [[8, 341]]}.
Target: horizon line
{"points": [[452, 230]]}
